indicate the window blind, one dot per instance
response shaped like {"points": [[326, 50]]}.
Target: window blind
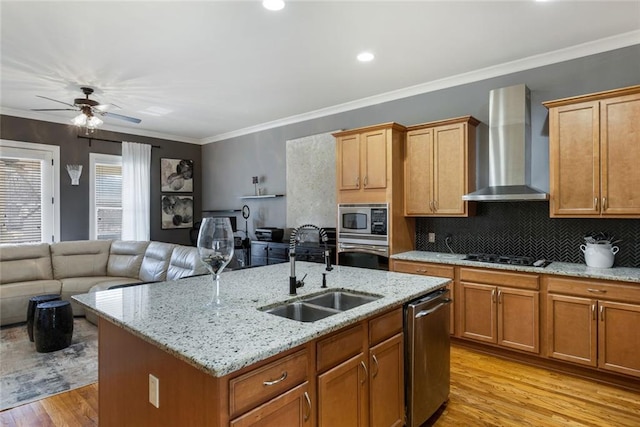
{"points": [[108, 200], [20, 200]]}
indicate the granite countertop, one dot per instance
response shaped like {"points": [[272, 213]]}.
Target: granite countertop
{"points": [[623, 274], [172, 315]]}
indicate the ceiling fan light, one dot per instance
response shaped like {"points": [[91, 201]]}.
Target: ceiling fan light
{"points": [[94, 122], [79, 120]]}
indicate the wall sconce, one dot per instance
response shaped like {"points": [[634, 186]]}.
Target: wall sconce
{"points": [[74, 173]]}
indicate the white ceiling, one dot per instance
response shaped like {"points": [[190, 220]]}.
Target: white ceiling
{"points": [[226, 68]]}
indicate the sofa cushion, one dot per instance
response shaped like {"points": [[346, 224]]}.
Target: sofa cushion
{"points": [[156, 262], [125, 258], [184, 262], [25, 262], [14, 298], [82, 258]]}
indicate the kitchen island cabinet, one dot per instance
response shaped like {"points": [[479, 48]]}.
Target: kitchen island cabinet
{"points": [[594, 145], [241, 366], [439, 167]]}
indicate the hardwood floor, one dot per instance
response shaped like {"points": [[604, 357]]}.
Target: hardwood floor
{"points": [[485, 391]]}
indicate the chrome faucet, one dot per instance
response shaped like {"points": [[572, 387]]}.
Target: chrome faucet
{"points": [[293, 282]]}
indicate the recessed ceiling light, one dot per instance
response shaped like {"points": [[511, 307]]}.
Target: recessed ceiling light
{"points": [[365, 57], [273, 4]]}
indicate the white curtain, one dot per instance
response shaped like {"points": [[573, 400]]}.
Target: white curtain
{"points": [[136, 181]]}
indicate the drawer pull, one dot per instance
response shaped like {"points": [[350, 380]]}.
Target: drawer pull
{"points": [[597, 291], [421, 271], [308, 414], [282, 378]]}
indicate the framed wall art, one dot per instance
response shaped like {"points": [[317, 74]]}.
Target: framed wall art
{"points": [[176, 175], [177, 211]]}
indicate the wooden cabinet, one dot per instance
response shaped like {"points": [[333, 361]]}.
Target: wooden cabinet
{"points": [[292, 408], [594, 147], [439, 167], [500, 308], [585, 324], [430, 269], [364, 162], [361, 375]]}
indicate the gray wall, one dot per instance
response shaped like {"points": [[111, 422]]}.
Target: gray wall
{"points": [[74, 203], [228, 165]]}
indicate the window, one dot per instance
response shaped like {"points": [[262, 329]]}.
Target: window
{"points": [[105, 220], [29, 189]]}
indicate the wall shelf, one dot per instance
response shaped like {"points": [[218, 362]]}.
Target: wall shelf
{"points": [[264, 196]]}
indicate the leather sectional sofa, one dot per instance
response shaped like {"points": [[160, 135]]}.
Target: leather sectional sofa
{"points": [[78, 267]]}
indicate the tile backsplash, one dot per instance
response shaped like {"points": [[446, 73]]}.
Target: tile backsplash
{"points": [[525, 229]]}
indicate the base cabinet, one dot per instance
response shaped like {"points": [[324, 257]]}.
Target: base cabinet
{"points": [[292, 408], [594, 331], [386, 383], [506, 316], [342, 395]]}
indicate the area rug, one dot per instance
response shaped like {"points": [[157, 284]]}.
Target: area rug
{"points": [[26, 375]]}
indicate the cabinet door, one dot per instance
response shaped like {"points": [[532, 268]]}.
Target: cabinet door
{"points": [[386, 392], [619, 337], [418, 172], [449, 169], [620, 151], [518, 319], [259, 252], [348, 162], [572, 329], [292, 408], [342, 395], [374, 156], [574, 155], [477, 311]]}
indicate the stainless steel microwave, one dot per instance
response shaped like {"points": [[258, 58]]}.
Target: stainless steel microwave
{"points": [[358, 222]]}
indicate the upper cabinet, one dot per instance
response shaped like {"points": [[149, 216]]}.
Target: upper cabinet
{"points": [[439, 167], [594, 150], [365, 166]]}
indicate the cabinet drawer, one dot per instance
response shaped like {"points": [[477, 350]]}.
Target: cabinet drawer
{"points": [[340, 347], [500, 278], [423, 268], [594, 289], [385, 326], [280, 251], [264, 383]]}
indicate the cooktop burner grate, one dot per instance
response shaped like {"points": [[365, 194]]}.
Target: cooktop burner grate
{"points": [[506, 259]]}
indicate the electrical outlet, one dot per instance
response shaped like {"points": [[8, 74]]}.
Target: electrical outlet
{"points": [[154, 391], [432, 237]]}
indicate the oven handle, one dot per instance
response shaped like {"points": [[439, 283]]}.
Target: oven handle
{"points": [[359, 248]]}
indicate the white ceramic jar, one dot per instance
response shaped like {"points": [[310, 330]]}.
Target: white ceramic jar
{"points": [[599, 255]]}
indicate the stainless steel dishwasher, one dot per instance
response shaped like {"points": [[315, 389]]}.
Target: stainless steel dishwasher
{"points": [[427, 355]]}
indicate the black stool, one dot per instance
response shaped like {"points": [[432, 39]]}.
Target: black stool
{"points": [[33, 302], [53, 326]]}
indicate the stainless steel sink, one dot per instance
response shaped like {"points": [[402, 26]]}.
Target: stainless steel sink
{"points": [[301, 312], [318, 307], [340, 300]]}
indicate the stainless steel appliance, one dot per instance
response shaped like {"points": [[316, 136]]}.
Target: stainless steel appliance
{"points": [[427, 355], [363, 240], [507, 259]]}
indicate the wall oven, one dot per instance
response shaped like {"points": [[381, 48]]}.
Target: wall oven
{"points": [[362, 235]]}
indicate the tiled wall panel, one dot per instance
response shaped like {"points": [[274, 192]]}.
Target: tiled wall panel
{"points": [[524, 228]]}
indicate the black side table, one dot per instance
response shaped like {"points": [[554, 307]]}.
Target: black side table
{"points": [[31, 310], [53, 326]]}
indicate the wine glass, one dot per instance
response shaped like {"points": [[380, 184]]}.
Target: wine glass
{"points": [[215, 246]]}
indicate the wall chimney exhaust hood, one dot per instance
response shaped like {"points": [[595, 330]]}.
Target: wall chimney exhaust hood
{"points": [[509, 149]]}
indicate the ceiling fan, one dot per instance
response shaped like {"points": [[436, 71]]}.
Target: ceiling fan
{"points": [[88, 108]]}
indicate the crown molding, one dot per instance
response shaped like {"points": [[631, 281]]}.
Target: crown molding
{"points": [[548, 58]]}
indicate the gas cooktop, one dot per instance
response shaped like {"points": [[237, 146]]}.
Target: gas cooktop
{"points": [[507, 259]]}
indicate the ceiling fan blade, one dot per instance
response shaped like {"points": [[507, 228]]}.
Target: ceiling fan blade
{"points": [[102, 107], [121, 117], [54, 109], [55, 100]]}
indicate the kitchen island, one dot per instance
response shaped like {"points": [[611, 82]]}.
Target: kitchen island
{"points": [[165, 330]]}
